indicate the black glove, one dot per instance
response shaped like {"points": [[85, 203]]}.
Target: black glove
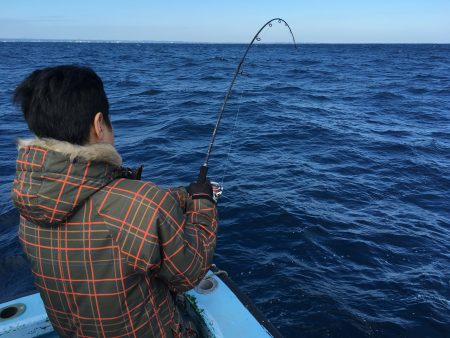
{"points": [[201, 190], [131, 173]]}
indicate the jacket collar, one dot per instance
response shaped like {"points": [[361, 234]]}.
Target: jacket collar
{"points": [[100, 152]]}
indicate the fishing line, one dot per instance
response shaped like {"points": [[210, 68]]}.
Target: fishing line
{"points": [[232, 137], [204, 168]]}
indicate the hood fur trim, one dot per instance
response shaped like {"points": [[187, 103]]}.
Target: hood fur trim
{"points": [[101, 152]]}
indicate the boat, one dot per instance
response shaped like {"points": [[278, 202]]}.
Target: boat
{"points": [[217, 305]]}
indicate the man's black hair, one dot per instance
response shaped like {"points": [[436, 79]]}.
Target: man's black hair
{"points": [[61, 102]]}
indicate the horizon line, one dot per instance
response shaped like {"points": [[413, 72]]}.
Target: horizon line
{"points": [[213, 42]]}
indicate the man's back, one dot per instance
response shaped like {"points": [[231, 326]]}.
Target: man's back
{"points": [[107, 252]]}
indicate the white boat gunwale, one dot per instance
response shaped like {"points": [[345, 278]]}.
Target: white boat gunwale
{"points": [[213, 304]]}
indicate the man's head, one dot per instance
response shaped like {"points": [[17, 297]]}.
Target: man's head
{"points": [[66, 103]]}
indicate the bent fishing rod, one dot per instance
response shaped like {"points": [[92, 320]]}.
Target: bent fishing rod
{"points": [[204, 168]]}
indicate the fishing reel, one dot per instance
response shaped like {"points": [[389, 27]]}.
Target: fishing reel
{"points": [[217, 191]]}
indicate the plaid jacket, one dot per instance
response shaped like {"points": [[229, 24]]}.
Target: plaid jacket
{"points": [[107, 252]]}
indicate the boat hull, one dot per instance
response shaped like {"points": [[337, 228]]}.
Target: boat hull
{"points": [[217, 305]]}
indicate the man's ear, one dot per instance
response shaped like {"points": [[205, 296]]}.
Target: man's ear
{"points": [[98, 126], [100, 131]]}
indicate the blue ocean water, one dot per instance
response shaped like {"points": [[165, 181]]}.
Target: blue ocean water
{"points": [[335, 159]]}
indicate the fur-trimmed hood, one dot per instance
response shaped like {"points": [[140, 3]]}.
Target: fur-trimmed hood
{"points": [[53, 178], [100, 152]]}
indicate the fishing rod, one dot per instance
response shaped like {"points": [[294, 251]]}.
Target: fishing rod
{"points": [[204, 168]]}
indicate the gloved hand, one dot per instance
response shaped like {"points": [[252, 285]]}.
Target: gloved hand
{"points": [[201, 190]]}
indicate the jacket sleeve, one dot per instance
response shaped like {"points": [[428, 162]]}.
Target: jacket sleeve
{"points": [[181, 196], [187, 243], [157, 236]]}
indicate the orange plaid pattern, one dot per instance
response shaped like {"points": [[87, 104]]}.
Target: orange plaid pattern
{"points": [[109, 253]]}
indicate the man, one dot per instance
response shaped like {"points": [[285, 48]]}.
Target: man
{"points": [[107, 250]]}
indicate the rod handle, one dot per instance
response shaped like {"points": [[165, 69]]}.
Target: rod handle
{"points": [[202, 174]]}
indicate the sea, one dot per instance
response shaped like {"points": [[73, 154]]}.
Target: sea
{"points": [[335, 162]]}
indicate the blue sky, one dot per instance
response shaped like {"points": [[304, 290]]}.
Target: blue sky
{"points": [[333, 21]]}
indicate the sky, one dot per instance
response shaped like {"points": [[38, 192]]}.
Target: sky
{"points": [[321, 21]]}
